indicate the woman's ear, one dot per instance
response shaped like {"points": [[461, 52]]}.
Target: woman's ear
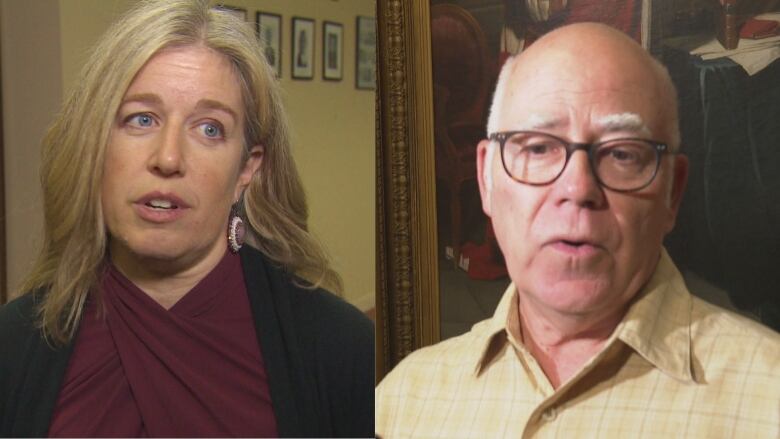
{"points": [[251, 166]]}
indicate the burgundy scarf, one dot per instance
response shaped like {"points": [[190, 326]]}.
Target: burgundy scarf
{"points": [[193, 370]]}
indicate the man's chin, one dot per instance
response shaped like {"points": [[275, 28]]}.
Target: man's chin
{"points": [[573, 295]]}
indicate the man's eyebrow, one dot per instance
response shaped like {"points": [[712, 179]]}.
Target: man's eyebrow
{"points": [[210, 104], [623, 122]]}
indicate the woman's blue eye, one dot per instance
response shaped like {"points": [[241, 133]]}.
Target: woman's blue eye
{"points": [[212, 130], [143, 120]]}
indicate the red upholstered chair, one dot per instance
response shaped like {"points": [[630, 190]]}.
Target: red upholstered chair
{"points": [[463, 74]]}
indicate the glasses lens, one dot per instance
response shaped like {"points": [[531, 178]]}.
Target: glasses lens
{"points": [[533, 158], [626, 164]]}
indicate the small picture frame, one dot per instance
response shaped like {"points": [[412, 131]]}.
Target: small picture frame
{"points": [[239, 13], [302, 55], [332, 51], [365, 53], [269, 31]]}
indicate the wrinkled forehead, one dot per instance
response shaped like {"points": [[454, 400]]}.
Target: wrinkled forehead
{"points": [[599, 103], [627, 122]]}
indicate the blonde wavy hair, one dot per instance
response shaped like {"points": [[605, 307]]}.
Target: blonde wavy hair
{"points": [[75, 237]]}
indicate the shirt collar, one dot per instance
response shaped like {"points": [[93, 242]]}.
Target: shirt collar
{"points": [[657, 324]]}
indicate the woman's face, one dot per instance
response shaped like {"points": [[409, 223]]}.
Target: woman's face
{"points": [[173, 165]]}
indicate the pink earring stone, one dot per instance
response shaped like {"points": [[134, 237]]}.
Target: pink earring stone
{"points": [[236, 234]]}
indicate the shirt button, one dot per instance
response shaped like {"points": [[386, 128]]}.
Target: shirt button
{"points": [[549, 414]]}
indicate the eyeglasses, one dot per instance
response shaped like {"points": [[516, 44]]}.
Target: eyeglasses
{"points": [[623, 165]]}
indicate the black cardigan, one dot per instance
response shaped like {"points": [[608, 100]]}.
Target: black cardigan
{"points": [[318, 352]]}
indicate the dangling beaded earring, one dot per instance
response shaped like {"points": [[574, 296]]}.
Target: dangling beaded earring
{"points": [[235, 230]]}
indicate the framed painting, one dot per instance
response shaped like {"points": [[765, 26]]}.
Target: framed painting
{"points": [[269, 30], [365, 53], [438, 268], [302, 57], [332, 51]]}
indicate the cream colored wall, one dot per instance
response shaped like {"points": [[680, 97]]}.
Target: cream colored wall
{"points": [[32, 89], [332, 126], [82, 22]]}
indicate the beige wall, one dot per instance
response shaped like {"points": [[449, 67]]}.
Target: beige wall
{"points": [[32, 90], [332, 123]]}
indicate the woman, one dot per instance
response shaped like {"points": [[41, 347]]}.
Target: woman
{"points": [[143, 317]]}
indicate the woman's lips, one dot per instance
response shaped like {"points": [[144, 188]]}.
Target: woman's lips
{"points": [[158, 207], [158, 215]]}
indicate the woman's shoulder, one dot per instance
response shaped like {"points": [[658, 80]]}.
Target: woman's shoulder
{"points": [[328, 344], [329, 314], [308, 306], [19, 330], [331, 319], [18, 316], [318, 315], [19, 335]]}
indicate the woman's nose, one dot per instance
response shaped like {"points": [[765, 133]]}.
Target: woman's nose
{"points": [[167, 158]]}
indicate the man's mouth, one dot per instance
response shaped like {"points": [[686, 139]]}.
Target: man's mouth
{"points": [[574, 247]]}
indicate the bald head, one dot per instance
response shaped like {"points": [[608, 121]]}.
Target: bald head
{"points": [[603, 56]]}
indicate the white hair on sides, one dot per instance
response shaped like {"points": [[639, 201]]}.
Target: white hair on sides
{"points": [[487, 169], [492, 124], [499, 93], [668, 91]]}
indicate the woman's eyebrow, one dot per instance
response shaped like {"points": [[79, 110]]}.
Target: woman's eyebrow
{"points": [[210, 104], [144, 98]]}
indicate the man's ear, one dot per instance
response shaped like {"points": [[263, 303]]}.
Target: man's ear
{"points": [[251, 166], [679, 183], [484, 167]]}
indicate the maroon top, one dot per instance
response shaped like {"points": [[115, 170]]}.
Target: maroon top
{"points": [[193, 370]]}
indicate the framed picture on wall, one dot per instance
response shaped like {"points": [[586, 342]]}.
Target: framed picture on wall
{"points": [[302, 48], [332, 51], [269, 30], [365, 53], [238, 12]]}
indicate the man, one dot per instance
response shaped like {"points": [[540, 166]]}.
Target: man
{"points": [[597, 336]]}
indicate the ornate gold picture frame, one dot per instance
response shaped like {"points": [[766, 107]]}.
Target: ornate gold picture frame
{"points": [[407, 278]]}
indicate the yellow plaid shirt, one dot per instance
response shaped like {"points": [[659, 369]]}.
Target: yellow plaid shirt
{"points": [[675, 367]]}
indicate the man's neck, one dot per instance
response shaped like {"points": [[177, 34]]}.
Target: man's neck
{"points": [[562, 344]]}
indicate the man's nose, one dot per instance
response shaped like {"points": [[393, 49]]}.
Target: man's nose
{"points": [[578, 183], [167, 158]]}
